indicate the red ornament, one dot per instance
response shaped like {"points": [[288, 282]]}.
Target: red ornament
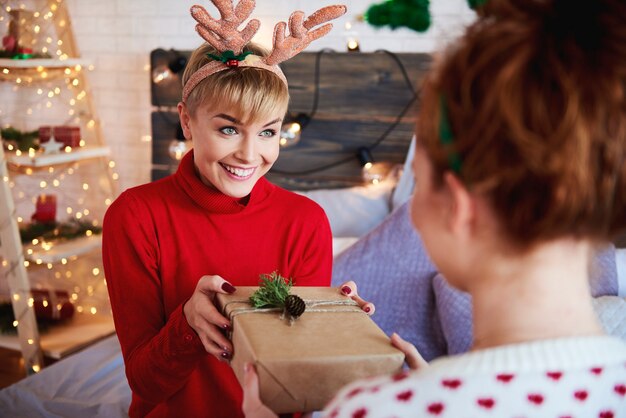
{"points": [[232, 63]]}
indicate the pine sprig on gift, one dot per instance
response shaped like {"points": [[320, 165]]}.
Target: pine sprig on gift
{"points": [[273, 289], [273, 292]]}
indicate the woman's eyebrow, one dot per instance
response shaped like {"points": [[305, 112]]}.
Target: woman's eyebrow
{"points": [[227, 117]]}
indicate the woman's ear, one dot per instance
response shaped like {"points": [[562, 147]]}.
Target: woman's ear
{"points": [[462, 214], [185, 118]]}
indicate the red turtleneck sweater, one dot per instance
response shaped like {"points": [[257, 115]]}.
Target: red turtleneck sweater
{"points": [[159, 239]]}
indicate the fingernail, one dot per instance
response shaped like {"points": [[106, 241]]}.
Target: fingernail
{"points": [[228, 288], [367, 309], [226, 327], [346, 290], [225, 355]]}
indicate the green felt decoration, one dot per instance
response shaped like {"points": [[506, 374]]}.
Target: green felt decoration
{"points": [[413, 14]]}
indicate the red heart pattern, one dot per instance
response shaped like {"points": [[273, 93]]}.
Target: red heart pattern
{"points": [[505, 377], [535, 398], [486, 403], [554, 375], [359, 413], [451, 383], [596, 370], [581, 395], [405, 396], [435, 408]]}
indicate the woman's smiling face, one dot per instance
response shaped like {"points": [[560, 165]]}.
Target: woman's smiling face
{"points": [[229, 154]]}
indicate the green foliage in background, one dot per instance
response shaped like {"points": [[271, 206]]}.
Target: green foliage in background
{"points": [[413, 14]]}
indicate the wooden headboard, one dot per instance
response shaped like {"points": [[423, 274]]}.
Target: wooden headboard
{"points": [[361, 100]]}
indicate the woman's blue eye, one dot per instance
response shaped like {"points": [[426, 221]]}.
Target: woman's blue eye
{"points": [[229, 130], [268, 133]]}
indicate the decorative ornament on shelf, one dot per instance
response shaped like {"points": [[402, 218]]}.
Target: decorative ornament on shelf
{"points": [[273, 292], [68, 135], [22, 35], [45, 209], [51, 307], [54, 231], [52, 146], [23, 141]]}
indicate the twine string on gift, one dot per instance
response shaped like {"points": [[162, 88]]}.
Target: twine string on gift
{"points": [[339, 306]]}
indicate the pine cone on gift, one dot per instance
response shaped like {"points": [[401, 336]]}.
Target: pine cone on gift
{"points": [[294, 305]]}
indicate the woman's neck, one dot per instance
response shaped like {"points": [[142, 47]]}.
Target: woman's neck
{"points": [[541, 295]]}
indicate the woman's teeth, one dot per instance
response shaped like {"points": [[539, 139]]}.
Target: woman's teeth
{"points": [[239, 172]]}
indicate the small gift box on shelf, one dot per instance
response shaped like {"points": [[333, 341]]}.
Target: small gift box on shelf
{"points": [[68, 135], [302, 366], [52, 305]]}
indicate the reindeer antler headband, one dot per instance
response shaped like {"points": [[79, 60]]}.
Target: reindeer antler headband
{"points": [[223, 35]]}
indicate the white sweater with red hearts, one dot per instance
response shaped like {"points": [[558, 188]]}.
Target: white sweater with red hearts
{"points": [[568, 377]]}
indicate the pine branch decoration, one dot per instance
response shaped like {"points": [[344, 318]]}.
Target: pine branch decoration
{"points": [[273, 292]]}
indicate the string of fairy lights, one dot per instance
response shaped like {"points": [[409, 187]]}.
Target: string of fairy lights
{"points": [[52, 92]]}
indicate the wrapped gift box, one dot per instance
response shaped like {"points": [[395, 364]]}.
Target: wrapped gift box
{"points": [[303, 365], [68, 135]]}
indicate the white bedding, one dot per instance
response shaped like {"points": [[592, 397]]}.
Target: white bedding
{"points": [[90, 383]]}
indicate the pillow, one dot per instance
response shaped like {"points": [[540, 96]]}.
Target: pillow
{"points": [[354, 211], [620, 262], [404, 189]]}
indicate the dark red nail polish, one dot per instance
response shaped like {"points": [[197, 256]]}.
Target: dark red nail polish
{"points": [[346, 290], [226, 327], [367, 309], [228, 288], [225, 355]]}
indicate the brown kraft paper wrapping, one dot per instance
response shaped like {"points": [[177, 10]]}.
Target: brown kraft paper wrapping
{"points": [[301, 367]]}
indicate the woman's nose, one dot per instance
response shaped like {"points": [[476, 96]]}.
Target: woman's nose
{"points": [[246, 151]]}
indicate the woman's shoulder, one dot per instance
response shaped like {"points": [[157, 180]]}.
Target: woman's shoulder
{"points": [[477, 383], [141, 198]]}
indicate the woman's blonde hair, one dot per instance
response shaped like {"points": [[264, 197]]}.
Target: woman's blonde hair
{"points": [[254, 93], [535, 99]]}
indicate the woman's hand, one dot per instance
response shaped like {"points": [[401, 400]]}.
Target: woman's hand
{"points": [[349, 289], [413, 357], [206, 320], [252, 406]]}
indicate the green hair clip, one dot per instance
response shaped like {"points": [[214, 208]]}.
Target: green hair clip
{"points": [[447, 137]]}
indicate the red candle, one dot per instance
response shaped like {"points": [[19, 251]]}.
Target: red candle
{"points": [[46, 208]]}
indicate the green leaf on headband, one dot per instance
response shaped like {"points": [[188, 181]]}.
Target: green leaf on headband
{"points": [[229, 55]]}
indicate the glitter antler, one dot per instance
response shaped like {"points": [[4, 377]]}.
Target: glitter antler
{"points": [[300, 33], [223, 34]]}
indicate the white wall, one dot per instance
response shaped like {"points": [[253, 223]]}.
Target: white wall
{"points": [[118, 35]]}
